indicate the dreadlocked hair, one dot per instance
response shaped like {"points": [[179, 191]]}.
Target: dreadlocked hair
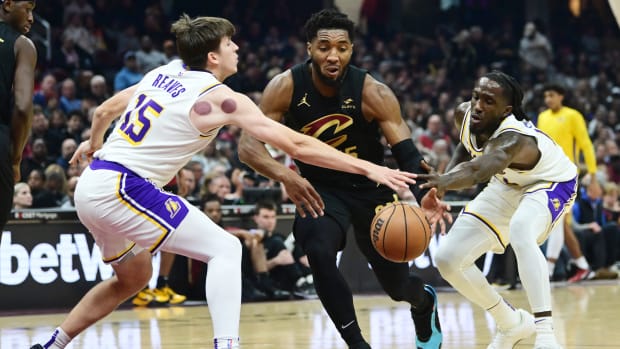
{"points": [[328, 19], [511, 90]]}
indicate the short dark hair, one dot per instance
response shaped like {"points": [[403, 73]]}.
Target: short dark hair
{"points": [[265, 204], [198, 36], [557, 88], [328, 19], [208, 198]]}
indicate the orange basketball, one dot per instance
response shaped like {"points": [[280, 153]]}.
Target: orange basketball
{"points": [[400, 232]]}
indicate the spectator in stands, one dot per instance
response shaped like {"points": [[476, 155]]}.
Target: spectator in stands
{"points": [[75, 125], [435, 130], [68, 57], [598, 239], [130, 74], [38, 160], [148, 57], [36, 180], [170, 50], [220, 185], [54, 188], [76, 31], [211, 157], [284, 269], [47, 95], [198, 170], [69, 146], [80, 8], [70, 192], [256, 281], [68, 98], [186, 184], [22, 198], [535, 50], [98, 89]]}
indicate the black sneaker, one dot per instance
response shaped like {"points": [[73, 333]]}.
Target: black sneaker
{"points": [[436, 338], [37, 346]]}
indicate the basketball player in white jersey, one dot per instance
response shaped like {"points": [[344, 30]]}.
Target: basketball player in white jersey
{"points": [[172, 113], [531, 185]]}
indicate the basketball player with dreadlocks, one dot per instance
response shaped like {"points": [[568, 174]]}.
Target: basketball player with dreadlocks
{"points": [[532, 183]]}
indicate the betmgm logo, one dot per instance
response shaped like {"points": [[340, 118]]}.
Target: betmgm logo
{"points": [[45, 263]]}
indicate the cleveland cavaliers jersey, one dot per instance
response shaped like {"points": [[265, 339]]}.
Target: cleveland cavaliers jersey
{"points": [[337, 121], [154, 136], [553, 165]]}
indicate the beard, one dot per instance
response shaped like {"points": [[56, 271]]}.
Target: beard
{"points": [[327, 81]]}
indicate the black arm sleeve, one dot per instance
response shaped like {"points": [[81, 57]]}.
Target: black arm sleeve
{"points": [[409, 159]]}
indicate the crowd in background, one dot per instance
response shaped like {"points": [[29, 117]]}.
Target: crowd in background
{"points": [[100, 47]]}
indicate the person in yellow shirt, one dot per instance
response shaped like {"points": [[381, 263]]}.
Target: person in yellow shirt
{"points": [[567, 127]]}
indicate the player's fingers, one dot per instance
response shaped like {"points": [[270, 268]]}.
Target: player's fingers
{"points": [[300, 209], [442, 227]]}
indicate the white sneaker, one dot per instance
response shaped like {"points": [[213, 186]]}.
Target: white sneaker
{"points": [[546, 340], [506, 339]]}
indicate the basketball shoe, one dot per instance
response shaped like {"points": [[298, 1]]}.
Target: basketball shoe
{"points": [[546, 340], [580, 275], [434, 341], [37, 346], [173, 297], [148, 297], [506, 339]]}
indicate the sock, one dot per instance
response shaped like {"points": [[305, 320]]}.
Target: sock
{"points": [[504, 314], [226, 343], [162, 281], [551, 266], [544, 324], [582, 263], [59, 340]]}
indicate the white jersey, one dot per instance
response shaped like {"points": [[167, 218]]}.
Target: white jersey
{"points": [[154, 136], [553, 165]]}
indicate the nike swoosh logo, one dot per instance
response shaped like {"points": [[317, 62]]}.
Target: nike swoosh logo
{"points": [[537, 321], [347, 325]]}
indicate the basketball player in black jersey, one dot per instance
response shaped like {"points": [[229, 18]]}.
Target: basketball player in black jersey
{"points": [[19, 57], [345, 107]]}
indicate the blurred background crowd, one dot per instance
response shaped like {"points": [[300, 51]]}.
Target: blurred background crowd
{"points": [[428, 52]]}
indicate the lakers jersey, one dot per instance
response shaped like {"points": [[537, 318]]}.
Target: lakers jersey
{"points": [[553, 165], [154, 136]]}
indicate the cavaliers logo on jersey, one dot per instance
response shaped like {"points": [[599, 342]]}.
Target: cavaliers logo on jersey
{"points": [[329, 126], [173, 207]]}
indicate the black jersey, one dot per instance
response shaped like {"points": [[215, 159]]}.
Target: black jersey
{"points": [[337, 121], [8, 35]]}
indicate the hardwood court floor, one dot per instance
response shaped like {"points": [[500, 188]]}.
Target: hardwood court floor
{"points": [[586, 316]]}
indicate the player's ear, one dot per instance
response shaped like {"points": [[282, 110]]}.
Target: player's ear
{"points": [[508, 110], [212, 57], [308, 47]]}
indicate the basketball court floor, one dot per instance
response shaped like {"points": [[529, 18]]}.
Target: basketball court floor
{"points": [[586, 316]]}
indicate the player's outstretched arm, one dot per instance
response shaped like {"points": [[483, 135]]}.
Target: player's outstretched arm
{"points": [[498, 154], [246, 114], [274, 103]]}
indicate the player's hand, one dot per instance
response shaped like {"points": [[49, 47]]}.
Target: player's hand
{"points": [[436, 211], [431, 180], [395, 179], [84, 153], [304, 196]]}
